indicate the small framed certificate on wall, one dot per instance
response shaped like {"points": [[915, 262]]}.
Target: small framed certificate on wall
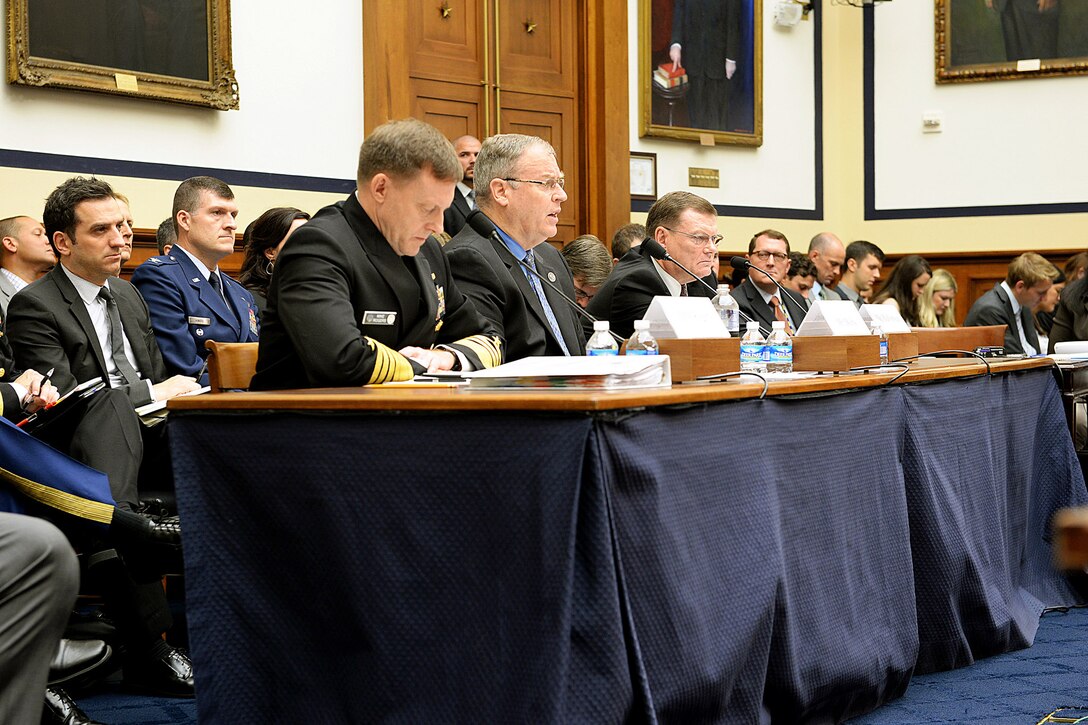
{"points": [[643, 176]]}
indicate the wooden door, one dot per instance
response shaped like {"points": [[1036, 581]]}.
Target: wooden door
{"points": [[512, 66]]}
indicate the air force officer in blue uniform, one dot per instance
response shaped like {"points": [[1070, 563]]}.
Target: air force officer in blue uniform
{"points": [[191, 301]]}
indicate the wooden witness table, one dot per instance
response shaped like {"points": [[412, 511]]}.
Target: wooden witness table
{"points": [[683, 554]]}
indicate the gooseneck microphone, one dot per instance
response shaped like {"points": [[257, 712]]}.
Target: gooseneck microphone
{"points": [[659, 252], [487, 229], [742, 263]]}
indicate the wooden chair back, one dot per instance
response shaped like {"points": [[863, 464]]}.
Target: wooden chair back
{"points": [[231, 365]]}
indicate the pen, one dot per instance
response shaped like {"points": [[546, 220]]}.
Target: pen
{"points": [[45, 381]]}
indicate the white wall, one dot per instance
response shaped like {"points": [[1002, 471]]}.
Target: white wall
{"points": [[299, 68], [781, 173], [1004, 143]]}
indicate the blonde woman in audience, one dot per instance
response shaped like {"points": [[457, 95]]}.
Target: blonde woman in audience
{"points": [[936, 304], [904, 287]]}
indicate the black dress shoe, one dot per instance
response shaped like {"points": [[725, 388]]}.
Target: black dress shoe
{"points": [[77, 659], [170, 675], [60, 709]]}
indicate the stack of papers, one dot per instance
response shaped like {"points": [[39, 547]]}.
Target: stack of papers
{"points": [[610, 372]]}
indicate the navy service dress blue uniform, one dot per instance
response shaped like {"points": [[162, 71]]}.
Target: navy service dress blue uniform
{"points": [[186, 311]]}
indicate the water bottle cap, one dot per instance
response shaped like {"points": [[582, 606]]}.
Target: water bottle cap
{"points": [[642, 324], [752, 325], [600, 325], [778, 325], [723, 289]]}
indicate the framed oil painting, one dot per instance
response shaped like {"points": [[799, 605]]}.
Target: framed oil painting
{"points": [[701, 70], [981, 40], [167, 50]]}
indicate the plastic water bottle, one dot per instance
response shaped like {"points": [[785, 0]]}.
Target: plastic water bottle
{"points": [[751, 350], [641, 342], [781, 349], [728, 310], [879, 332], [601, 343]]}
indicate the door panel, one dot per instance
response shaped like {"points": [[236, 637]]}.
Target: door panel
{"points": [[455, 109], [541, 61], [446, 48]]}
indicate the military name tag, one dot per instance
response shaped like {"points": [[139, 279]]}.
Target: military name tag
{"points": [[379, 318], [200, 320]]}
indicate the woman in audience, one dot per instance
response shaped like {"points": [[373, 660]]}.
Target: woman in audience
{"points": [[1044, 310], [936, 304], [263, 240], [904, 287]]}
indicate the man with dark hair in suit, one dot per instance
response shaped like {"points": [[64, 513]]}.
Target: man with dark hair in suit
{"points": [[190, 299], [625, 239], [758, 297], [467, 149], [706, 42], [166, 236], [519, 187], [686, 225], [1009, 303], [860, 272], [363, 293], [25, 255]]}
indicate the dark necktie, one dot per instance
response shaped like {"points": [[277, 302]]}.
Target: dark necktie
{"points": [[683, 290], [217, 285], [471, 196], [530, 260], [117, 340]]}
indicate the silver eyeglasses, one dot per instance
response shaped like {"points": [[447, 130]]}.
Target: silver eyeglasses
{"points": [[763, 256], [701, 239], [549, 184]]}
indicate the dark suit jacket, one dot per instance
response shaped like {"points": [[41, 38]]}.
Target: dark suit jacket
{"points": [[453, 219], [708, 32], [1071, 316], [751, 303], [995, 308], [180, 300], [12, 406], [342, 302], [50, 328], [494, 281], [630, 288]]}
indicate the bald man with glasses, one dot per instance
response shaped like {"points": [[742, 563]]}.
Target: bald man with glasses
{"points": [[519, 187], [759, 297], [686, 225]]}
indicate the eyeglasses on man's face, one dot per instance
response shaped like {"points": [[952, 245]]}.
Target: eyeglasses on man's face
{"points": [[763, 255], [700, 239], [548, 184]]}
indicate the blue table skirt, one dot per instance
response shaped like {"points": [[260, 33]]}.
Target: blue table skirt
{"points": [[778, 560]]}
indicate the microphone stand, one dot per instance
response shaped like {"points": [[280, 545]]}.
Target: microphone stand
{"points": [[745, 264]]}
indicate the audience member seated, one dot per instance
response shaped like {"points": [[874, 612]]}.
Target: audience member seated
{"points": [[684, 224], [909, 277], [828, 254], [861, 271], [1070, 315], [625, 239], [519, 188], [759, 297], [801, 277], [1075, 267], [363, 293], [1044, 310], [189, 298], [1009, 303], [165, 236], [936, 304], [467, 149], [25, 256], [128, 232], [590, 265], [263, 240]]}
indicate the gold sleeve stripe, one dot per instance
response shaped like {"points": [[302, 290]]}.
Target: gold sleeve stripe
{"points": [[69, 503], [388, 364], [487, 349]]}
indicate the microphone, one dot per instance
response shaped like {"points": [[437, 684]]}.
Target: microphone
{"points": [[487, 229], [659, 252], [742, 263]]}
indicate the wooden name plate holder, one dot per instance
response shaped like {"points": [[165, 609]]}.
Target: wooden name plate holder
{"points": [[835, 353], [902, 345], [935, 339], [695, 358]]}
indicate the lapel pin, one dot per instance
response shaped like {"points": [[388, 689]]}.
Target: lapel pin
{"points": [[551, 277]]}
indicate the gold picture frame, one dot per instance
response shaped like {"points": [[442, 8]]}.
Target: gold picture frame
{"points": [[688, 110], [985, 40], [178, 51]]}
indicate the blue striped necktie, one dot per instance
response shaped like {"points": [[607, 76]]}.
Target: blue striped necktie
{"points": [[530, 259]]}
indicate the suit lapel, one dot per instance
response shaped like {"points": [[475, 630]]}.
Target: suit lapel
{"points": [[426, 322], [78, 309], [392, 270], [461, 204], [522, 281], [762, 311], [132, 324], [558, 304]]}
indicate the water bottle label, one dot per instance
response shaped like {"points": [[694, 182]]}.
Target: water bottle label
{"points": [[641, 352], [780, 354], [765, 354], [883, 349], [751, 353], [732, 320], [606, 351]]}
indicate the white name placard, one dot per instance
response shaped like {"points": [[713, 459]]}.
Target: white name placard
{"points": [[829, 317], [886, 316], [684, 318]]}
